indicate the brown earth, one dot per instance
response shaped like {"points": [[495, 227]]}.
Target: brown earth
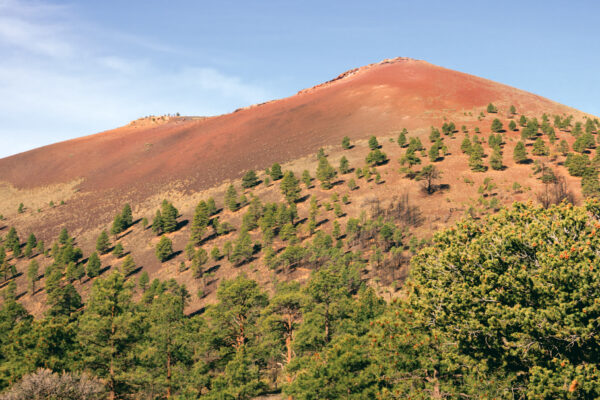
{"points": [[186, 159]]}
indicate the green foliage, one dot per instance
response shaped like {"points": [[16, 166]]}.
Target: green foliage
{"points": [[231, 198], [434, 136], [169, 216], [250, 179], [93, 266], [512, 110], [199, 223], [242, 249], [344, 165], [346, 143], [512, 125], [402, 141], [376, 157], [496, 160], [164, 249], [128, 266], [577, 164], [496, 125], [476, 158], [492, 108], [118, 250], [103, 243], [584, 142], [306, 179], [540, 148], [325, 173], [290, 187], [373, 143], [275, 172], [520, 153], [465, 146], [563, 147]]}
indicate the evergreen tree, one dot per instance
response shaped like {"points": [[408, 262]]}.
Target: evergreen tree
{"points": [[520, 153], [434, 152], [429, 175], [103, 243], [325, 173], [242, 249], [118, 250], [200, 258], [276, 172], [231, 197], [523, 120], [169, 216], [434, 136], [306, 178], [63, 237], [128, 266], [127, 216], [164, 249], [475, 158], [513, 110], [32, 275], [373, 143], [157, 223], [346, 143], [290, 187], [465, 146], [93, 266], [563, 147], [167, 344], [496, 125], [540, 148], [496, 159], [512, 125], [492, 108], [344, 165], [108, 331], [402, 141], [199, 223], [250, 180], [143, 281]]}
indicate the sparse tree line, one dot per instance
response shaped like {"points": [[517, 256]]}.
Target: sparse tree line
{"points": [[500, 309]]}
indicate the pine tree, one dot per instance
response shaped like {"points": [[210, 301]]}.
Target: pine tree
{"points": [[402, 141], [242, 249], [200, 258], [346, 143], [169, 216], [231, 197], [164, 249], [126, 216], [108, 332], [496, 125], [168, 341], [290, 187], [512, 125], [128, 266], [250, 180], [540, 148], [344, 165], [143, 281], [32, 275], [325, 173], [63, 237], [376, 157], [434, 152], [520, 153], [373, 143], [523, 121], [492, 108], [434, 136], [93, 266], [465, 146], [513, 110], [496, 159], [306, 178], [199, 223], [563, 147], [475, 158], [157, 223], [118, 250], [276, 173]]}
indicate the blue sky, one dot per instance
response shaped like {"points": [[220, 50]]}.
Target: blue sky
{"points": [[71, 68]]}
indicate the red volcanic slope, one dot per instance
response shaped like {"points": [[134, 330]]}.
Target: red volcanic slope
{"points": [[376, 99]]}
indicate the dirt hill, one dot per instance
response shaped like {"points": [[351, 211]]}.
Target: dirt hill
{"points": [[186, 159]]}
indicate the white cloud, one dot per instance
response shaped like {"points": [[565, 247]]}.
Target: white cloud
{"points": [[57, 82]]}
